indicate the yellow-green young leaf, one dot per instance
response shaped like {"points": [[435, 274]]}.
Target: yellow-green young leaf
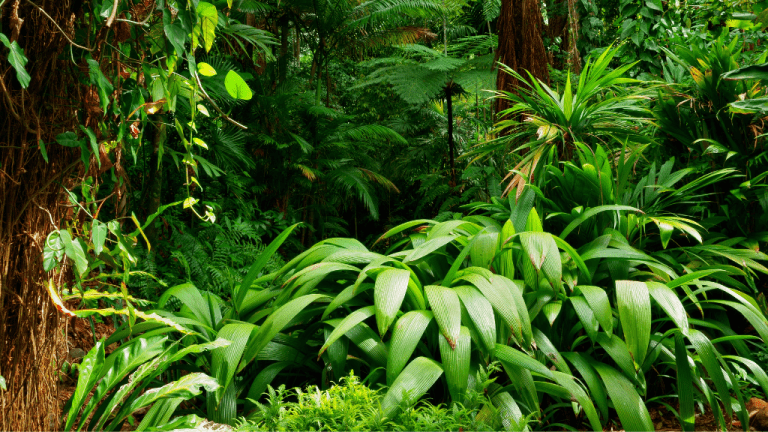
{"points": [[388, 295], [634, 304], [189, 202], [200, 142], [206, 69], [628, 403], [203, 110], [415, 380], [456, 364], [534, 222], [208, 19], [236, 86], [407, 333], [444, 303]]}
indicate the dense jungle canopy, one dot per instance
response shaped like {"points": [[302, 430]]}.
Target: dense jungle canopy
{"points": [[383, 214]]}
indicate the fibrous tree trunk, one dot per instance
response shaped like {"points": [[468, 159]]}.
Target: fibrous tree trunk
{"points": [[31, 205], [521, 47]]}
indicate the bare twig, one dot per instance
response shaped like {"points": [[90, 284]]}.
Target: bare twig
{"points": [[208, 98], [59, 27], [50, 216], [113, 14]]}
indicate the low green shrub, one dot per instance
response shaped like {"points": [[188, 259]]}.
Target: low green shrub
{"points": [[353, 406]]}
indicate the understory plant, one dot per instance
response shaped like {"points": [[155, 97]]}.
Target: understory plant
{"points": [[596, 323]]}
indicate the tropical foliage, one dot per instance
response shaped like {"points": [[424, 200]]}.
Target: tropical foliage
{"points": [[326, 215]]}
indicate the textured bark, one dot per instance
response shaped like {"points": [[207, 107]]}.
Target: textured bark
{"points": [[521, 47], [30, 207]]}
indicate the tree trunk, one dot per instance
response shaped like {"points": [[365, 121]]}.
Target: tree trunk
{"points": [[31, 343], [155, 186], [449, 113], [521, 47]]}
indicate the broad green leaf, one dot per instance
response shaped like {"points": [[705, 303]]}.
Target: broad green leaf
{"points": [[629, 405], [511, 417], [501, 299], [347, 324], [193, 299], [407, 333], [600, 305], [160, 413], [708, 357], [206, 69], [236, 86], [546, 346], [542, 252], [759, 72], [68, 139], [481, 313], [586, 316], [617, 349], [592, 379], [634, 305], [592, 212], [428, 247], [578, 393], [186, 388], [74, 251], [225, 360], [18, 60], [264, 378], [389, 292], [684, 385], [413, 382], [259, 264], [90, 372], [208, 19], [275, 323], [444, 303], [483, 249], [507, 354], [455, 362], [98, 235], [103, 85], [668, 300]]}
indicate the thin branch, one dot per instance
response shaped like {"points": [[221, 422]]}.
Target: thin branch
{"points": [[59, 27], [113, 14], [208, 98]]}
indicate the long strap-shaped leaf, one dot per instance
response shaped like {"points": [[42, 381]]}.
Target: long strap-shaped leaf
{"points": [[444, 303], [634, 306], [581, 396], [389, 292], [480, 311], [346, 324], [414, 381], [592, 379], [275, 323], [186, 387], [628, 403], [90, 371], [684, 385], [456, 364], [408, 331], [259, 265]]}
